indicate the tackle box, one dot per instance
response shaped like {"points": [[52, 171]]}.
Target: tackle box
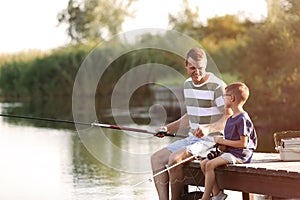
{"points": [[287, 143]]}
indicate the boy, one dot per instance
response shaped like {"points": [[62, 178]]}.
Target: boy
{"points": [[240, 139]]}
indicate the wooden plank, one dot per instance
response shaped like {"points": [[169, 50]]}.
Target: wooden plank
{"points": [[193, 174], [260, 183], [266, 174]]}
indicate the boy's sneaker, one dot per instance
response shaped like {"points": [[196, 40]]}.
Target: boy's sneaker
{"points": [[220, 196]]}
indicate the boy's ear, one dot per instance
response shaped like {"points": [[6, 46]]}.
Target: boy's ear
{"points": [[232, 98]]}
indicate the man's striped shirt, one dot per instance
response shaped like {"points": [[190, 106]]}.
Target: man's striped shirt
{"points": [[204, 102]]}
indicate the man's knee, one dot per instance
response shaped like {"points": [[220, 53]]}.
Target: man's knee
{"points": [[161, 156], [178, 156], [154, 157]]}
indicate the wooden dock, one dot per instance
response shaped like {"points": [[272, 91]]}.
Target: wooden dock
{"points": [[266, 174]]}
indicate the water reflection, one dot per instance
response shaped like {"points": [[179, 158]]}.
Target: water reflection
{"points": [[32, 162], [52, 163]]}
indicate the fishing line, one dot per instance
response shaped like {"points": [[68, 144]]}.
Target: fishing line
{"points": [[150, 179], [171, 167]]}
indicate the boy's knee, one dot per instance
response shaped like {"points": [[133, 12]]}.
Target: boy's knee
{"points": [[209, 166]]}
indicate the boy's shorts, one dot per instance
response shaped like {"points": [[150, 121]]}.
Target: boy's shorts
{"points": [[201, 148], [230, 158]]}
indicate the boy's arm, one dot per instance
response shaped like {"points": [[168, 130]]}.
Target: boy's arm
{"points": [[241, 143]]}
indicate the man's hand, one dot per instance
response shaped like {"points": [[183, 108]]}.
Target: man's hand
{"points": [[201, 131], [161, 131]]}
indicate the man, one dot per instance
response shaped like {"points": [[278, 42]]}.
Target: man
{"points": [[205, 114]]}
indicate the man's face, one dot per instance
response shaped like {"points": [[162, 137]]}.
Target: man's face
{"points": [[195, 70]]}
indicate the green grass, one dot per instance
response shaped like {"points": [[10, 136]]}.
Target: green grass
{"points": [[23, 56]]}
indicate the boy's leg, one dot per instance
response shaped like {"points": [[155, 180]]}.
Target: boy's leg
{"points": [[210, 182], [203, 164], [158, 161]]}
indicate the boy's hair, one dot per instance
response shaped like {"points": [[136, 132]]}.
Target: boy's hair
{"points": [[239, 90], [196, 54]]}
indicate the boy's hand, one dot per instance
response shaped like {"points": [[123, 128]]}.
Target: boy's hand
{"points": [[222, 147], [218, 138]]}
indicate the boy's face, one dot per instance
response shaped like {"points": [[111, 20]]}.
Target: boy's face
{"points": [[195, 70], [227, 99]]}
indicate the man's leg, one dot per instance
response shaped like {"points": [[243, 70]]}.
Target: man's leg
{"points": [[158, 161], [176, 173]]}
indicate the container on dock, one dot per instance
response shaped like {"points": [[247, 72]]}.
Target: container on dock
{"points": [[289, 154], [288, 145]]}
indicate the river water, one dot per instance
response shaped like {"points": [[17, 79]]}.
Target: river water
{"points": [[41, 162]]}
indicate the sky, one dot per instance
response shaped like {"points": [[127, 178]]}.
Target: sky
{"points": [[32, 24]]}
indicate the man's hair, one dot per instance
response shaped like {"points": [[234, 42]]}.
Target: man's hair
{"points": [[196, 54], [239, 90]]}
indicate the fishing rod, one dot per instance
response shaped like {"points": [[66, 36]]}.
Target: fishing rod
{"points": [[96, 124]]}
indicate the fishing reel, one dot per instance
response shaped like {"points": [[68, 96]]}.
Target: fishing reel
{"points": [[164, 132], [213, 154]]}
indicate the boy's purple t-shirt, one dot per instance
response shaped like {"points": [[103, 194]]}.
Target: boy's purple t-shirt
{"points": [[241, 125]]}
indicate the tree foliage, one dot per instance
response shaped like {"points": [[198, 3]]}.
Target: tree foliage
{"points": [[263, 54], [92, 20], [270, 65], [187, 21], [45, 77], [223, 36], [226, 27]]}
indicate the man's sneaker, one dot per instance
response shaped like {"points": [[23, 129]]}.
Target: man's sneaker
{"points": [[220, 196]]}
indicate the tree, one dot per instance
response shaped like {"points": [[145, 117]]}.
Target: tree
{"points": [[269, 63], [226, 27], [187, 22], [220, 37], [92, 20]]}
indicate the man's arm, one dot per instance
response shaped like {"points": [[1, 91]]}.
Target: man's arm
{"points": [[220, 124], [214, 127], [180, 124], [175, 126]]}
